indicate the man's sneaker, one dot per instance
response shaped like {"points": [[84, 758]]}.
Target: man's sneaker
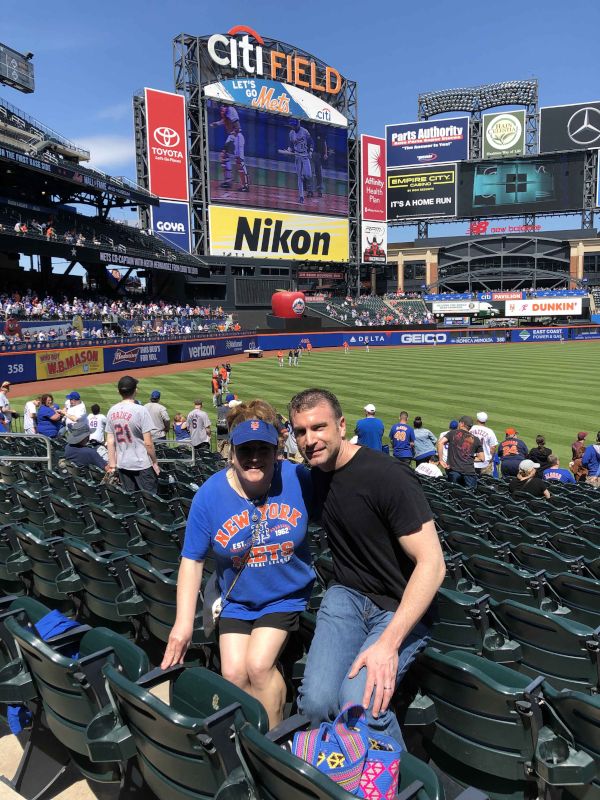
{"points": [[226, 185], [244, 189]]}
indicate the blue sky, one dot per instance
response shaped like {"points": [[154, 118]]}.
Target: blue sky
{"points": [[90, 58]]}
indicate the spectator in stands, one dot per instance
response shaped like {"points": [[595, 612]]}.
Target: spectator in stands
{"points": [[511, 451], [425, 442], [578, 446], [591, 461], [74, 409], [540, 454], [97, 423], [180, 428], [198, 423], [388, 565], [161, 422], [555, 473], [370, 429], [222, 423], [129, 440], [5, 402], [402, 437], [463, 450], [261, 608], [49, 417], [526, 480], [77, 449], [489, 442], [452, 426], [30, 415], [429, 467]]}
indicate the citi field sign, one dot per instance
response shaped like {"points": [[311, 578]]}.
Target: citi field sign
{"points": [[243, 49]]}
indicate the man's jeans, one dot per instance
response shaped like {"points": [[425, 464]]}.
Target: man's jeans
{"points": [[470, 481], [348, 623]]}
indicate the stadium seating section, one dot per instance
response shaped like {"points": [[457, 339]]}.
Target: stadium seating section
{"points": [[372, 310], [503, 700]]}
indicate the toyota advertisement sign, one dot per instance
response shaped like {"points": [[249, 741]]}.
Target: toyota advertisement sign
{"points": [[427, 142], [171, 221], [570, 127], [166, 144]]}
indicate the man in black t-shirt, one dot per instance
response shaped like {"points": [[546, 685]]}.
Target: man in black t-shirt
{"points": [[464, 449], [387, 562]]}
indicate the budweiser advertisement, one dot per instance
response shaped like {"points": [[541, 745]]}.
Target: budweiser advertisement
{"points": [[544, 307], [373, 187], [166, 144]]}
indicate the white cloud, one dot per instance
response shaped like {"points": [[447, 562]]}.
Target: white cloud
{"points": [[109, 151], [115, 112]]}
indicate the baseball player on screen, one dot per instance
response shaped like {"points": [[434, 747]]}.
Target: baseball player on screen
{"points": [[233, 147], [301, 146]]}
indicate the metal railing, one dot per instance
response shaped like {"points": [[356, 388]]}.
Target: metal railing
{"points": [[28, 437]]}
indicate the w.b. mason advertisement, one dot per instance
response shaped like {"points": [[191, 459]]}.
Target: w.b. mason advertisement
{"points": [[253, 233]]}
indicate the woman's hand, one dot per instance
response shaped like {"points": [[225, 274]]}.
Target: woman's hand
{"points": [[177, 646]]}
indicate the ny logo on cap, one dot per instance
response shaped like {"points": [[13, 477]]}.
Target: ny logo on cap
{"points": [[254, 425]]}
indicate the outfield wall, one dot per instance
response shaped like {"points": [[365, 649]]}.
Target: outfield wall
{"points": [[69, 361]]}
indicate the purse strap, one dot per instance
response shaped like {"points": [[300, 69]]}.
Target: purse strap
{"points": [[261, 501]]}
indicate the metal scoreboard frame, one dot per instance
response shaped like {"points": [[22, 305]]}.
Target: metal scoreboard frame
{"points": [[16, 69], [194, 68]]}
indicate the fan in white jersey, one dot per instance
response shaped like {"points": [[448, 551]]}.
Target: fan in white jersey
{"points": [[301, 145], [29, 415], [198, 424], [74, 409], [429, 468], [129, 441], [488, 440]]}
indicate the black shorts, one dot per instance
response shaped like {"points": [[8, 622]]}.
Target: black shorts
{"points": [[281, 620]]}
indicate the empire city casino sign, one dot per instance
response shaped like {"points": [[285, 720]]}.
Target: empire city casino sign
{"points": [[236, 50]]}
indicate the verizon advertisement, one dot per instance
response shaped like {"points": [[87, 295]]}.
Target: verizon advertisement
{"points": [[544, 307], [166, 144], [372, 160], [374, 242]]}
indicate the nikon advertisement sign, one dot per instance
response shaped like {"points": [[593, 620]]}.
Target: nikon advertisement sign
{"points": [[271, 234], [503, 134], [421, 192]]}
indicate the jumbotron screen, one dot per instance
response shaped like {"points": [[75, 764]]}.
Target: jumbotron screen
{"points": [[263, 160]]}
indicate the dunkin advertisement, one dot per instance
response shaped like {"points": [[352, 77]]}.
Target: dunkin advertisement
{"points": [[166, 144]]}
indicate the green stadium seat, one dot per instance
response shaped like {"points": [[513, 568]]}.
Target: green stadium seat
{"points": [[166, 512], [454, 522], [580, 594], [535, 557], [467, 544], [13, 561], [540, 526], [183, 750], [486, 516], [513, 533], [117, 530], [590, 532], [505, 581], [574, 545], [48, 559], [120, 501], [567, 653], [74, 518], [491, 727], [164, 542], [86, 490], [324, 568], [38, 508]]}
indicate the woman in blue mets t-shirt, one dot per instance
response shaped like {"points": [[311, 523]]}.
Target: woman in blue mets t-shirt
{"points": [[254, 518]]}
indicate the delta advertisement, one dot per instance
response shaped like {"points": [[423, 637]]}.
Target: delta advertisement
{"points": [[544, 307], [503, 134], [281, 98], [130, 357], [171, 222], [372, 161], [272, 161], [166, 144], [524, 185], [68, 363], [422, 192], [374, 242], [570, 127], [417, 143], [272, 234]]}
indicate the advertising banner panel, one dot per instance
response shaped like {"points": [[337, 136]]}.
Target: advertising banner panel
{"points": [[500, 296], [503, 134], [421, 192], [166, 144], [571, 127], [540, 335], [372, 166], [281, 98], [267, 161], [581, 334], [544, 307], [458, 306], [68, 363], [374, 242], [271, 234], [524, 185], [211, 348], [416, 143], [17, 367], [133, 356], [171, 221]]}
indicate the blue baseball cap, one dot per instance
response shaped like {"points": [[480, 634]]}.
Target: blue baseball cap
{"points": [[155, 395], [453, 424], [73, 396], [254, 430], [229, 397]]}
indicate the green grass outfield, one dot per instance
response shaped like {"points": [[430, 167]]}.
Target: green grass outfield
{"points": [[548, 388]]}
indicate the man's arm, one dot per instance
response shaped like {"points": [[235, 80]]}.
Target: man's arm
{"points": [[112, 451], [440, 451], [149, 444], [381, 658]]}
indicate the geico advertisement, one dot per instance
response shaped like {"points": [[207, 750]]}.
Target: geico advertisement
{"points": [[269, 234], [66, 363], [544, 307]]}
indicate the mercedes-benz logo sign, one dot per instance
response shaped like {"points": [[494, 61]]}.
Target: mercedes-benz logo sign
{"points": [[167, 137], [584, 126]]}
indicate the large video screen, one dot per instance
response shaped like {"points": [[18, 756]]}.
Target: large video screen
{"points": [[263, 160], [523, 185]]}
